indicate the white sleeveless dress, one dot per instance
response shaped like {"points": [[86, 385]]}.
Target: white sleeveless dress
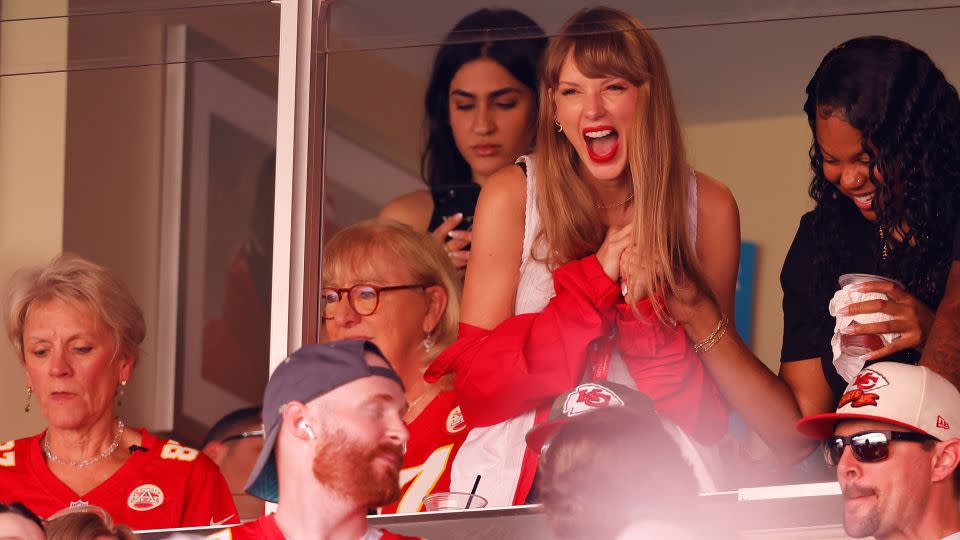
{"points": [[496, 452]]}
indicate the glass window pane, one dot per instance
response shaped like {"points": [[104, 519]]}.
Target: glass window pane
{"points": [[142, 135], [132, 38], [738, 74]]}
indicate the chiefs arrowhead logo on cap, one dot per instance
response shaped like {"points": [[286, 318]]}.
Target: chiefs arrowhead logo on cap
{"points": [[869, 379], [590, 396]]}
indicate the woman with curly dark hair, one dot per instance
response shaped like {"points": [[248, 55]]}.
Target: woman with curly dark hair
{"points": [[886, 164]]}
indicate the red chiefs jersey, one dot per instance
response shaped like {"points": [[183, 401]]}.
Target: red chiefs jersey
{"points": [[265, 528], [435, 437], [167, 486]]}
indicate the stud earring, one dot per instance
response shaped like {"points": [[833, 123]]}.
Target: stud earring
{"points": [[120, 391], [559, 127], [26, 408]]}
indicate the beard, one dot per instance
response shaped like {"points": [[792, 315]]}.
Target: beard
{"points": [[351, 469]]}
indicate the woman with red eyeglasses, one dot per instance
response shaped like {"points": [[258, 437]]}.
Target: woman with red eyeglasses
{"points": [[387, 283]]}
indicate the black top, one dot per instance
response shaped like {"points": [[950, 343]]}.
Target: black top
{"points": [[807, 323], [956, 242]]}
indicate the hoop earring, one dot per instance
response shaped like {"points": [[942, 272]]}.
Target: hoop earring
{"points": [[120, 392], [428, 343], [26, 407], [559, 127]]}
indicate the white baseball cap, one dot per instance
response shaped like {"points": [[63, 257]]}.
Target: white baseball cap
{"points": [[904, 395]]}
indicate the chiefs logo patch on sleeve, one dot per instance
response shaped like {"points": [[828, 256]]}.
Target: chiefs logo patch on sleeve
{"points": [[8, 458], [455, 421]]}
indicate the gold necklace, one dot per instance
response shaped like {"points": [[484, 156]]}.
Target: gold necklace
{"points": [[413, 404], [609, 206], [883, 245]]}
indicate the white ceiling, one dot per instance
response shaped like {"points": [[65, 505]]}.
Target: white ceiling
{"points": [[369, 24]]}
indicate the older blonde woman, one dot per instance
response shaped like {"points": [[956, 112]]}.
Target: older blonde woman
{"points": [[77, 331], [387, 283]]}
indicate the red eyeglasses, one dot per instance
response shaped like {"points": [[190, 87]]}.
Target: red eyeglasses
{"points": [[363, 297]]}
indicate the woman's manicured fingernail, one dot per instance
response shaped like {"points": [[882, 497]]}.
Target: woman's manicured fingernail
{"points": [[865, 357], [848, 330], [845, 310]]}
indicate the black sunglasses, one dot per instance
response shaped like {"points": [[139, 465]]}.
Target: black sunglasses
{"points": [[244, 435], [868, 446]]}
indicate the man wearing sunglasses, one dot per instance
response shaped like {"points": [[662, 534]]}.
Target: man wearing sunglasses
{"points": [[899, 476], [234, 443]]}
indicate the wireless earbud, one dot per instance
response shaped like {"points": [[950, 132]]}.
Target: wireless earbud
{"points": [[306, 427]]}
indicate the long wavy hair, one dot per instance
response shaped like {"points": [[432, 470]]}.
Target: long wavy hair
{"points": [[605, 42], [909, 116], [505, 36]]}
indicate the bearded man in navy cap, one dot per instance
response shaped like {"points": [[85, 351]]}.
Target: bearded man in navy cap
{"points": [[333, 445]]}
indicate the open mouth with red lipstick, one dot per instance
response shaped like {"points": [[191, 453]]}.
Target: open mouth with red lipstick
{"points": [[602, 143]]}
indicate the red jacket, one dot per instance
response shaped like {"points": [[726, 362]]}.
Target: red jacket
{"points": [[528, 360]]}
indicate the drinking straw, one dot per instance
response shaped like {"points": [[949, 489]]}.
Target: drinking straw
{"points": [[473, 491]]}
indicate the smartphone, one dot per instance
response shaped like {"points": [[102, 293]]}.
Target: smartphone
{"points": [[452, 199]]}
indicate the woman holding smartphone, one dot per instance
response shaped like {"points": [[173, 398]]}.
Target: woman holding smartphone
{"points": [[481, 107]]}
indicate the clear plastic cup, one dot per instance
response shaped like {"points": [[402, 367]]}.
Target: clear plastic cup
{"points": [[857, 345], [452, 500]]}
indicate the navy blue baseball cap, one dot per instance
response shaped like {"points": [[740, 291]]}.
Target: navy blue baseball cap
{"points": [[308, 373]]}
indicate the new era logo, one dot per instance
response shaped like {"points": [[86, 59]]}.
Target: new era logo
{"points": [[942, 423]]}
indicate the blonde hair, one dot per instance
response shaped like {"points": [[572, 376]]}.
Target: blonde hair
{"points": [[73, 279], [604, 42], [354, 249], [85, 523]]}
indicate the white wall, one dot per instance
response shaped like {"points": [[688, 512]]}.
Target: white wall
{"points": [[32, 137]]}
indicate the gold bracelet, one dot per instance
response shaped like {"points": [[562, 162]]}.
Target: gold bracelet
{"points": [[714, 337]]}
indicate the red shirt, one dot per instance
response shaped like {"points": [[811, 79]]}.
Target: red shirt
{"points": [[265, 528], [435, 437], [165, 487]]}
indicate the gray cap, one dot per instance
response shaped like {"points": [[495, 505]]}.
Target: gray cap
{"points": [[587, 397], [310, 372]]}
